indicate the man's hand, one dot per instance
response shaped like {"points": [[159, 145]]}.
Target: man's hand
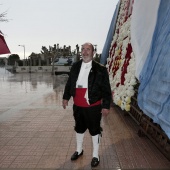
{"points": [[65, 103], [105, 112]]}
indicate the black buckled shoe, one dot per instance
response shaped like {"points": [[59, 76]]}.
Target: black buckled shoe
{"points": [[95, 162], [75, 156]]}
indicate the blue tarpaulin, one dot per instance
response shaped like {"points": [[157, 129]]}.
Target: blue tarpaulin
{"points": [[105, 51], [154, 89]]}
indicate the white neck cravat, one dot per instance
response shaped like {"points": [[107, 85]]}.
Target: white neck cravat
{"points": [[83, 75], [82, 81]]}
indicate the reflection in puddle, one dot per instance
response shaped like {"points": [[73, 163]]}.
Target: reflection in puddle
{"points": [[31, 80], [26, 87], [60, 81]]}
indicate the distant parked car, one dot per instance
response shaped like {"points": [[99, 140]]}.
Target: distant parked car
{"points": [[63, 61]]}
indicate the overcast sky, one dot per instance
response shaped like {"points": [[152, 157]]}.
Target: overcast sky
{"points": [[37, 23]]}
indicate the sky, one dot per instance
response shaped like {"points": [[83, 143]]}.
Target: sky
{"points": [[37, 23]]}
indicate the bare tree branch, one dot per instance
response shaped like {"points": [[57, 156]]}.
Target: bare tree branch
{"points": [[3, 17]]}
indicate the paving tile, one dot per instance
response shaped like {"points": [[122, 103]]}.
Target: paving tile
{"points": [[44, 134], [51, 151], [7, 134], [41, 135], [2, 157], [6, 161], [50, 162], [25, 134], [25, 162], [18, 141], [39, 141], [35, 150], [11, 150]]}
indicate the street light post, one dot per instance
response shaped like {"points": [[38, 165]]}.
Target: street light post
{"points": [[24, 50]]}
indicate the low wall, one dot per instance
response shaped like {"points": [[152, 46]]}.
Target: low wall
{"points": [[47, 69]]}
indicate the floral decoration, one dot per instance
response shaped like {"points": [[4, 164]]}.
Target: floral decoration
{"points": [[121, 60]]}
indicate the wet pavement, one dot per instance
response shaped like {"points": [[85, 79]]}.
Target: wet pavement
{"points": [[37, 133]]}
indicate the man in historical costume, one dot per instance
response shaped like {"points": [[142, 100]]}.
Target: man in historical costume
{"points": [[88, 84]]}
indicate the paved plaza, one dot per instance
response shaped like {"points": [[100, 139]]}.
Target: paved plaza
{"points": [[37, 133]]}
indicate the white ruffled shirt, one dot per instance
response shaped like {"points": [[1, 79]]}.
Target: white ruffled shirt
{"points": [[82, 81]]}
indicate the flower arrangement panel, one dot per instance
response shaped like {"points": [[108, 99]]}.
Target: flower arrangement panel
{"points": [[121, 60]]}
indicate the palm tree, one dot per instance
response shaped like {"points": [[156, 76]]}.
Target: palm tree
{"points": [[51, 53]]}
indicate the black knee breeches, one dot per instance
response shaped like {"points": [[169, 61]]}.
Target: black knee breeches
{"points": [[87, 118]]}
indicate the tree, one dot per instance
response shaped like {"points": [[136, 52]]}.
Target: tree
{"points": [[46, 54], [3, 16], [97, 57], [54, 51], [13, 58]]}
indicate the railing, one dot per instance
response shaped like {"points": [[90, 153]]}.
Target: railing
{"points": [[150, 129]]}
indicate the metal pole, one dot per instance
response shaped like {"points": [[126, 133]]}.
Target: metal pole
{"points": [[24, 49], [24, 52]]}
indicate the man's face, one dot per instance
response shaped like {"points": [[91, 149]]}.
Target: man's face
{"points": [[87, 52]]}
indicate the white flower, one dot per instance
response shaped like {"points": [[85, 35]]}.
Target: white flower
{"points": [[121, 93], [133, 81]]}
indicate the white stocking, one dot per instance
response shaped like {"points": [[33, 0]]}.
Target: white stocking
{"points": [[79, 139], [96, 142]]}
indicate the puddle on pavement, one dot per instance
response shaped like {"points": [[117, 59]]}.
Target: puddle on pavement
{"points": [[23, 87]]}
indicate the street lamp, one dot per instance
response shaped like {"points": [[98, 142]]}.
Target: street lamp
{"points": [[95, 48], [24, 49]]}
